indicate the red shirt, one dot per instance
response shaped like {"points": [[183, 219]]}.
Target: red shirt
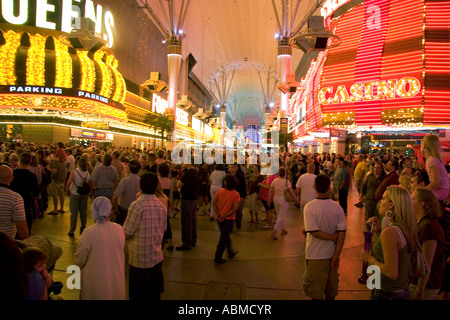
{"points": [[226, 199]]}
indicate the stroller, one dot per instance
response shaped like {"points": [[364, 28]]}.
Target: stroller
{"points": [[52, 252]]}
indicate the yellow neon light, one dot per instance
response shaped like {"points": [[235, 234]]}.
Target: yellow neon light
{"points": [[87, 72], [8, 58], [36, 61], [63, 65], [106, 87]]}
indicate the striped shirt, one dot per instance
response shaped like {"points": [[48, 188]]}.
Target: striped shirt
{"points": [[11, 210], [146, 222]]}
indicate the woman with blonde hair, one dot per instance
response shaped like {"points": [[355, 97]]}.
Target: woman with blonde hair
{"points": [[432, 239], [439, 181], [392, 249]]}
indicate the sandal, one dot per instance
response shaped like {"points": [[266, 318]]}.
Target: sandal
{"points": [[53, 213], [61, 211]]}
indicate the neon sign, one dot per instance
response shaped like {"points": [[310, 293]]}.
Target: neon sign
{"points": [[331, 6], [159, 105], [406, 87], [182, 117], [59, 15]]}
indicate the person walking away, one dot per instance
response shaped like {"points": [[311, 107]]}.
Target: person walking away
{"points": [[189, 185], [325, 228], [216, 179], [276, 194], [241, 187], [305, 187], [367, 194], [58, 170], [345, 185], [104, 179], [126, 192], [25, 183], [253, 191], [226, 203], [78, 202], [144, 229], [100, 255], [360, 176]]}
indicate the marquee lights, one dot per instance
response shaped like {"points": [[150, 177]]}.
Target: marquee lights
{"points": [[87, 72], [376, 90], [36, 61], [106, 82], [63, 65], [8, 57]]}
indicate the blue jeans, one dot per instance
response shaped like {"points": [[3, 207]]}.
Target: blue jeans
{"points": [[391, 295], [104, 193], [78, 204], [226, 227]]}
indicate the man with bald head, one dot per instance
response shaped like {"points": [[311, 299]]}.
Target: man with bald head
{"points": [[305, 186], [12, 211]]}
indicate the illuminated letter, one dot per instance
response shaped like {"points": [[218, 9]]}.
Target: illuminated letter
{"points": [[109, 24], [97, 18], [67, 14], [8, 11], [322, 95], [386, 88], [341, 95], [74, 281], [42, 7], [356, 92], [414, 87], [373, 22], [368, 91]]}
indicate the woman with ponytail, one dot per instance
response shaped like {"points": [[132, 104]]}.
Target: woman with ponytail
{"points": [[391, 252]]}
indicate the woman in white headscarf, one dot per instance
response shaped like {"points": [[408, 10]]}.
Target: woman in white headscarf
{"points": [[100, 255]]}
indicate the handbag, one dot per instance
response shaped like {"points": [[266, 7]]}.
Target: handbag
{"points": [[419, 265], [287, 194]]}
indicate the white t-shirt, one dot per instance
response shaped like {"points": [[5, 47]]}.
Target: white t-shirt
{"points": [[278, 185], [322, 215], [306, 185], [216, 177], [71, 163]]}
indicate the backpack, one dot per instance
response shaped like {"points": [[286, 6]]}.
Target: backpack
{"points": [[84, 188]]}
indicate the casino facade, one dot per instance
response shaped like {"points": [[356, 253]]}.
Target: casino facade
{"points": [[385, 86], [51, 91]]}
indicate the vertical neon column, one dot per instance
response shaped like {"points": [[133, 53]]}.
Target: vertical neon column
{"points": [[174, 59], [284, 68]]}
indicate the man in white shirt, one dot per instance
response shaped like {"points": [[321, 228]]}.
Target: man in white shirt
{"points": [[325, 228], [305, 187]]}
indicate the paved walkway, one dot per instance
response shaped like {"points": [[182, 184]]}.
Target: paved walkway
{"points": [[264, 269]]}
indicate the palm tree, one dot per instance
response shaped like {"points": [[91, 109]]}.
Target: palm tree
{"points": [[286, 138], [160, 123]]}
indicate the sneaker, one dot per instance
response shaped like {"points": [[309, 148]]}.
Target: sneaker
{"points": [[283, 232], [232, 255], [267, 227], [71, 234]]}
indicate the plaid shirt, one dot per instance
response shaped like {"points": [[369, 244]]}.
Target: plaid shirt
{"points": [[146, 223]]}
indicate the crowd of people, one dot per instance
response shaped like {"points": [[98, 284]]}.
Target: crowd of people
{"points": [[135, 193]]}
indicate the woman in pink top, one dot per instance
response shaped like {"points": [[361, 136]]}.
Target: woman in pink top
{"points": [[439, 181]]}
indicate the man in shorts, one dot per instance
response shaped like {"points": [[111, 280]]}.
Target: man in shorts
{"points": [[58, 171], [325, 228]]}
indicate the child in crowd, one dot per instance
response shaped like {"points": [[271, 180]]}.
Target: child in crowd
{"points": [[39, 279]]}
